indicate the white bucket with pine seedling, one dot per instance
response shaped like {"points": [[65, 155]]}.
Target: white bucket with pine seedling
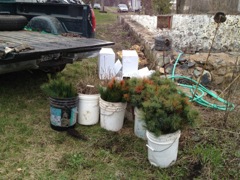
{"points": [[162, 150], [112, 115]]}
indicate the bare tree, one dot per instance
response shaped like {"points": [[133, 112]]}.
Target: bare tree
{"points": [[211, 6], [197, 6], [180, 6], [207, 6], [102, 5], [228, 6], [147, 5]]}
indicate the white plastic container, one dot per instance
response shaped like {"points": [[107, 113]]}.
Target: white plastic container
{"points": [[88, 109], [112, 115], [129, 62], [139, 124], [162, 150], [106, 61]]}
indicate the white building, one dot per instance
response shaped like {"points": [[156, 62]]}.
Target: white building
{"points": [[136, 5]]}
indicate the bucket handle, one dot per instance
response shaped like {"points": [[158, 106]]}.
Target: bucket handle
{"points": [[109, 114], [163, 149]]}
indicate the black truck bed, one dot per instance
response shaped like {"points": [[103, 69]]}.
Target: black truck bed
{"points": [[43, 44]]}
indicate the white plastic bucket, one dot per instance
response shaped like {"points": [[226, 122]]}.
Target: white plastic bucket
{"points": [[112, 115], [162, 150], [139, 124], [88, 109]]}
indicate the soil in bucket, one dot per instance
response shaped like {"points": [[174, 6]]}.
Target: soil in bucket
{"points": [[63, 113], [162, 150], [112, 115]]}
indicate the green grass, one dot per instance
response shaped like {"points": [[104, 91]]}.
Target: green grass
{"points": [[105, 18], [30, 149]]}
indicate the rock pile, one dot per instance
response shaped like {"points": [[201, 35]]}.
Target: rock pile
{"points": [[218, 71]]}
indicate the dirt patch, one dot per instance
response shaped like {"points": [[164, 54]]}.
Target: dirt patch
{"points": [[113, 142], [195, 170], [115, 33]]}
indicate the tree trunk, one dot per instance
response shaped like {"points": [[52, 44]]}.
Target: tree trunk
{"points": [[102, 4], [147, 4], [239, 6], [180, 6]]}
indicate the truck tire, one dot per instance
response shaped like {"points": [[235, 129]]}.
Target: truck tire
{"points": [[12, 22]]}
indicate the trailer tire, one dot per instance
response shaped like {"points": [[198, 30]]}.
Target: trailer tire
{"points": [[53, 69], [12, 22]]}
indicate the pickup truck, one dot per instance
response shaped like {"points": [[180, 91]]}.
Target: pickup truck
{"points": [[45, 36]]}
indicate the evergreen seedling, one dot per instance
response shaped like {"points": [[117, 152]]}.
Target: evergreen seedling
{"points": [[59, 88]]}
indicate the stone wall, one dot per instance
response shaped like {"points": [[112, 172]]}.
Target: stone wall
{"points": [[195, 32], [220, 66]]}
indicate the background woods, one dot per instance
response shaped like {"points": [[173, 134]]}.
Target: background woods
{"points": [[207, 6], [150, 7]]}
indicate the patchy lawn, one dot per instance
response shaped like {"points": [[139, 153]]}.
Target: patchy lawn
{"points": [[30, 149]]}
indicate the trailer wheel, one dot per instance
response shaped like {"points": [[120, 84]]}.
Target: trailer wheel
{"points": [[12, 22]]}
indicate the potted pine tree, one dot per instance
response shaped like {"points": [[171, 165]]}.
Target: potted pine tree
{"points": [[113, 97], [137, 94], [166, 112], [63, 103]]}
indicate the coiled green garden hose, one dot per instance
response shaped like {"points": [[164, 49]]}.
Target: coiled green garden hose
{"points": [[199, 97]]}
